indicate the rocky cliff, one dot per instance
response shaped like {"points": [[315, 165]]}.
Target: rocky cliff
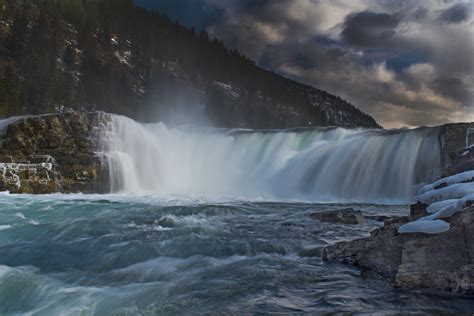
{"points": [[53, 153]]}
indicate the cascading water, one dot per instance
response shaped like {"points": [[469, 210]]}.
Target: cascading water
{"points": [[324, 164], [5, 122], [200, 243]]}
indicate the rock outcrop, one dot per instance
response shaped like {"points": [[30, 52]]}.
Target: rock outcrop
{"points": [[345, 216], [54, 153], [457, 148], [442, 261]]}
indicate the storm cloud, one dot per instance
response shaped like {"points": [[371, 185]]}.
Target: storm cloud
{"points": [[406, 63], [457, 13], [369, 29]]}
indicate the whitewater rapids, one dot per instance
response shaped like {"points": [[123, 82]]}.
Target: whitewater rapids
{"points": [[317, 165]]}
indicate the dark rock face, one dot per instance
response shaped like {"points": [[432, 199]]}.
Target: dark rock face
{"points": [[54, 153], [462, 160], [417, 211], [443, 261], [455, 157], [345, 216]]}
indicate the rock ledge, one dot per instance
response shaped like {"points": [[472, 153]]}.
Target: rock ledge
{"points": [[443, 261], [54, 153]]}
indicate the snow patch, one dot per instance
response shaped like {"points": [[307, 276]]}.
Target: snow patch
{"points": [[457, 178], [444, 203], [435, 207], [427, 227], [228, 89], [451, 207], [455, 191], [124, 58]]}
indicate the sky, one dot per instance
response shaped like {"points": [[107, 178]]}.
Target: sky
{"points": [[407, 63]]}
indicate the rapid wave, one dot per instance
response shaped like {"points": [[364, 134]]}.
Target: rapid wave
{"points": [[320, 165], [134, 255]]}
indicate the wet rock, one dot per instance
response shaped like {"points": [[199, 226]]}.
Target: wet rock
{"points": [[53, 153], [345, 216], [442, 261], [379, 218], [311, 252], [396, 221], [417, 211]]}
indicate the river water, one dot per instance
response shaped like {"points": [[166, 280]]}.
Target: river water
{"points": [[148, 255]]}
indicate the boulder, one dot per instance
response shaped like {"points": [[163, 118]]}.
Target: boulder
{"points": [[441, 261], [345, 216]]}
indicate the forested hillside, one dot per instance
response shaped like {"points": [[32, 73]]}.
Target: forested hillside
{"points": [[110, 55]]}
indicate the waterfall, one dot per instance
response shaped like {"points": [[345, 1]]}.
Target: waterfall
{"points": [[321, 164], [4, 123]]}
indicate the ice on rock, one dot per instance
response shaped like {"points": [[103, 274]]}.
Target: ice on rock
{"points": [[454, 207], [435, 207], [455, 191], [427, 227], [444, 203], [457, 178]]}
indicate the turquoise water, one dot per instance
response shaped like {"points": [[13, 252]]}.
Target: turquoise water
{"points": [[148, 255]]}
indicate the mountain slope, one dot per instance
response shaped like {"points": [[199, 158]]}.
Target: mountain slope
{"points": [[110, 55]]}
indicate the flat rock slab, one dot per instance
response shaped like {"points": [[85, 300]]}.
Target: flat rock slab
{"points": [[345, 216]]}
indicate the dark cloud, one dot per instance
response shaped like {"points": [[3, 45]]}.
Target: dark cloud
{"points": [[453, 88], [405, 59], [457, 13], [369, 29], [404, 62], [420, 13]]}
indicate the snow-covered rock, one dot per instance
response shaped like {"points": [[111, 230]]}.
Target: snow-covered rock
{"points": [[433, 208], [455, 191], [467, 176], [427, 227], [455, 194]]}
